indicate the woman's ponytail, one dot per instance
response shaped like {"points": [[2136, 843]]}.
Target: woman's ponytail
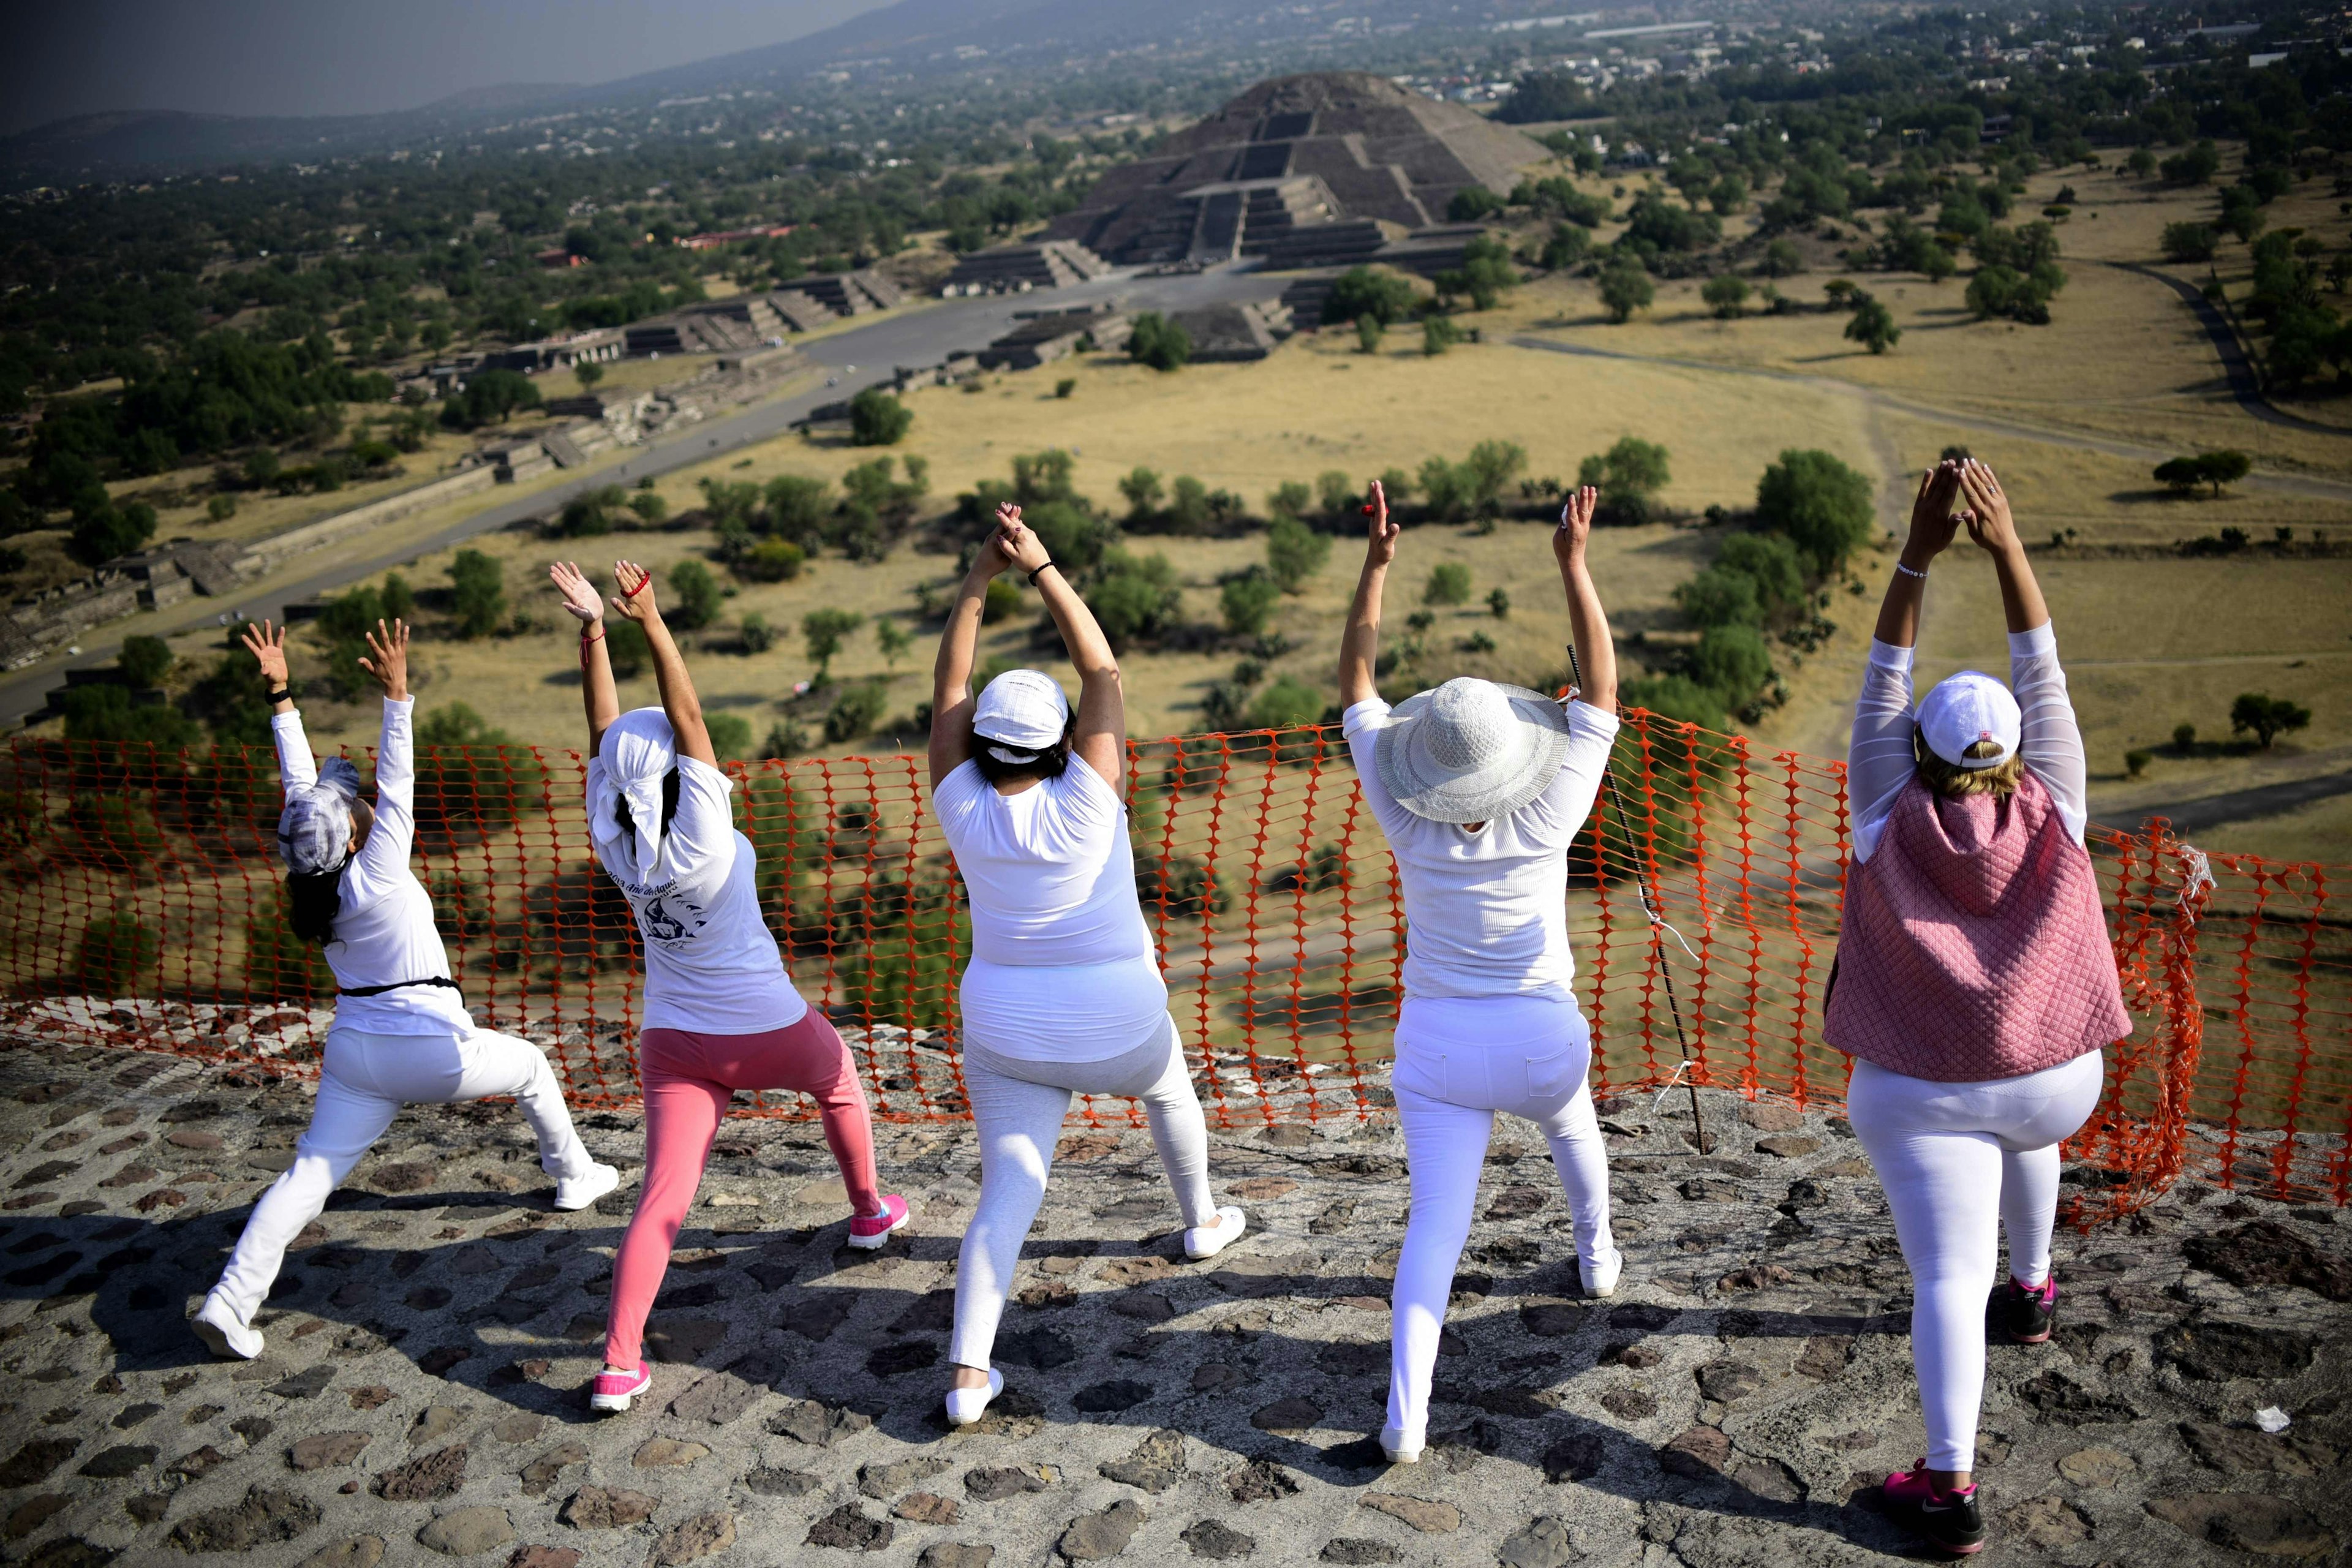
{"points": [[313, 900]]}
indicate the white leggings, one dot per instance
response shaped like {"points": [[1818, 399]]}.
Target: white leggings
{"points": [[1448, 1089], [1018, 1104], [1951, 1157], [363, 1083]]}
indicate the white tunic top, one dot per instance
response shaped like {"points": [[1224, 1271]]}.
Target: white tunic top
{"points": [[385, 931], [1486, 912], [712, 964]]}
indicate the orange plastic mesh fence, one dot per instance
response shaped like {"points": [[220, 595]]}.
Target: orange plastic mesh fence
{"points": [[147, 911]]}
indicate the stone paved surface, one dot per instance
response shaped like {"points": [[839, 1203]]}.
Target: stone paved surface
{"points": [[420, 1399]]}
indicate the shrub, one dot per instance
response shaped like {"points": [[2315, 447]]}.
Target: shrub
{"points": [[1157, 341], [797, 508], [649, 507], [145, 661], [2194, 167], [1361, 291], [1676, 696], [1771, 561], [1625, 287], [1437, 335], [1873, 326], [1067, 386], [1247, 600], [1565, 247], [470, 775], [1487, 471], [2268, 717], [399, 601], [1294, 552], [854, 713], [1135, 596], [1498, 604], [117, 831], [116, 956], [786, 738], [2184, 737], [877, 418], [1335, 492], [1141, 487], [1180, 886], [772, 560], [1720, 597], [1727, 296], [1285, 703], [107, 712], [625, 648], [1289, 499], [1472, 202], [1002, 599], [1732, 661], [2135, 760], [103, 532], [731, 734], [1449, 583], [824, 631], [592, 514], [1369, 333], [478, 597], [220, 508], [755, 634], [1628, 476], [695, 595], [1824, 506], [1781, 259]]}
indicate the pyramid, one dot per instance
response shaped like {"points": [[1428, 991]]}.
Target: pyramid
{"points": [[1295, 153]]}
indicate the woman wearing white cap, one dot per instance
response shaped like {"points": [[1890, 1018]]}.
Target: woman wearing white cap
{"points": [[402, 1034], [1064, 992], [1974, 984], [720, 1013], [1480, 788]]}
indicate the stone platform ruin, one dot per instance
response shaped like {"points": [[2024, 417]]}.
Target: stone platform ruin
{"points": [[421, 1397]]}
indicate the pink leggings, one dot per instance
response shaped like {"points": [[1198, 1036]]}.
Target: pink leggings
{"points": [[688, 1078]]}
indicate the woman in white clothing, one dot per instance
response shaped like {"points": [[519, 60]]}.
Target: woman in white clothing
{"points": [[1064, 992], [1480, 788], [402, 1034]]}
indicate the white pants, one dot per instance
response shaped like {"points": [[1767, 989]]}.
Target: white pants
{"points": [[363, 1084], [1459, 1062], [1952, 1157], [1018, 1104]]}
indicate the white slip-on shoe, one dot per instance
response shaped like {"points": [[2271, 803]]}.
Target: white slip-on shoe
{"points": [[222, 1333], [1601, 1280], [1393, 1445], [578, 1192], [1208, 1240], [966, 1405]]}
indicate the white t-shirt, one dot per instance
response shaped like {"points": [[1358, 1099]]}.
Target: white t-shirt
{"points": [[1486, 912], [712, 964], [1049, 871], [385, 931]]}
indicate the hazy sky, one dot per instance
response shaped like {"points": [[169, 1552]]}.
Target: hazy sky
{"points": [[357, 56]]}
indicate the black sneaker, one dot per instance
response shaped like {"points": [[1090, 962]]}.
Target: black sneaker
{"points": [[2028, 1313], [1951, 1522]]}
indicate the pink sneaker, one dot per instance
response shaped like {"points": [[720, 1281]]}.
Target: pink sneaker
{"points": [[612, 1391], [871, 1230], [1950, 1522]]}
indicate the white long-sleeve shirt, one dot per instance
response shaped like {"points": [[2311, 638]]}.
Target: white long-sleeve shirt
{"points": [[1881, 760], [385, 931]]}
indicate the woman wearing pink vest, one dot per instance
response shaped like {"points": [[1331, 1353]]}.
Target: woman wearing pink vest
{"points": [[1974, 984]]}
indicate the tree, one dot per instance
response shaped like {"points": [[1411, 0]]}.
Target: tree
{"points": [[772, 560], [2194, 167], [1134, 596], [1629, 476], [2268, 717], [1285, 704], [893, 639], [103, 531], [1472, 202], [1157, 341], [144, 661], [1369, 333], [1567, 246], [1335, 491], [1361, 291], [797, 508], [2215, 469], [1437, 335], [824, 631], [1727, 296], [1731, 661], [649, 507], [696, 595], [1294, 552], [491, 396], [1290, 500], [2187, 242], [877, 418], [1781, 259], [1486, 271], [1625, 287], [1771, 561], [1247, 599], [2141, 164], [1142, 489], [1483, 475], [1449, 583], [477, 594], [1824, 506], [1720, 598], [1873, 326], [588, 373]]}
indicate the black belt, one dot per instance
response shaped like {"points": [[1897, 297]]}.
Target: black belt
{"points": [[398, 985]]}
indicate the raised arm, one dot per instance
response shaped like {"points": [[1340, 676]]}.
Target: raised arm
{"points": [[597, 695], [951, 694], [1932, 527], [1880, 758], [382, 860], [2050, 738], [1588, 622], [1360, 644], [297, 769], [1100, 737], [635, 600]]}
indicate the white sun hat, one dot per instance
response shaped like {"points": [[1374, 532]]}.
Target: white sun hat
{"points": [[1471, 750], [1024, 711], [1964, 708]]}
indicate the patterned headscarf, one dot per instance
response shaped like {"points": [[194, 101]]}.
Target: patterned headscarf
{"points": [[314, 831]]}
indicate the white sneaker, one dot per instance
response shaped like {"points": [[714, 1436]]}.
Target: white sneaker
{"points": [[1601, 1280], [579, 1192], [1208, 1240], [222, 1333], [1399, 1452], [966, 1405]]}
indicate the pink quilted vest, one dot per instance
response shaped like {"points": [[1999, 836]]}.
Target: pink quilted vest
{"points": [[1975, 945]]}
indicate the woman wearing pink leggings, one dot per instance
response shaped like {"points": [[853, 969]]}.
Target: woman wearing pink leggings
{"points": [[720, 1013]]}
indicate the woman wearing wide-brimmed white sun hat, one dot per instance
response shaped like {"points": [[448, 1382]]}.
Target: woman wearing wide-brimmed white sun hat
{"points": [[1480, 788]]}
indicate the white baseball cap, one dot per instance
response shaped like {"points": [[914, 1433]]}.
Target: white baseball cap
{"points": [[1024, 710], [1965, 708]]}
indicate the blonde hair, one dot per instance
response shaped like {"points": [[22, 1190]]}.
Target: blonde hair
{"points": [[1952, 782]]}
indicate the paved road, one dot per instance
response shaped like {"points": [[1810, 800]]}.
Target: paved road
{"points": [[2189, 816], [2245, 385], [858, 357]]}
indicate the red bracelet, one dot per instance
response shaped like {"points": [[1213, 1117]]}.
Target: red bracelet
{"points": [[586, 643], [644, 583]]}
